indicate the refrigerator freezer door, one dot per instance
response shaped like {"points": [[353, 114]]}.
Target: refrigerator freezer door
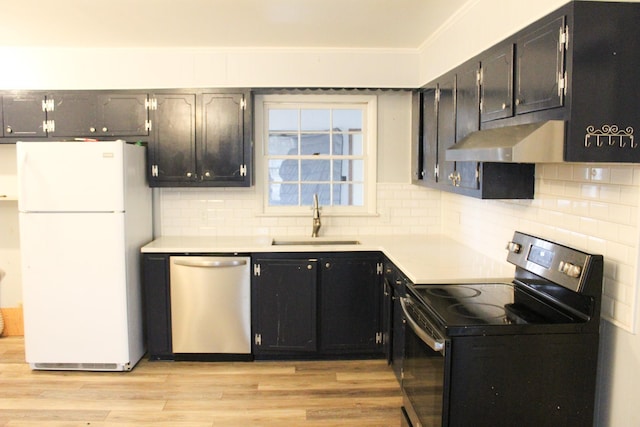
{"points": [[70, 176], [75, 291]]}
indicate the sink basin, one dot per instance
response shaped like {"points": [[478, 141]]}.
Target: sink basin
{"points": [[312, 242]]}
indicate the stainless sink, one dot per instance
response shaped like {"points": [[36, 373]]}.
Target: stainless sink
{"points": [[312, 242]]}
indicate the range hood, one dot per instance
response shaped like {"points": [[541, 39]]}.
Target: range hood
{"points": [[541, 142]]}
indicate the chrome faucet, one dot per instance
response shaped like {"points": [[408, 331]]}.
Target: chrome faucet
{"points": [[316, 217]]}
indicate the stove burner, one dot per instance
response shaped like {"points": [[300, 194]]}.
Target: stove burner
{"points": [[477, 310], [453, 291]]}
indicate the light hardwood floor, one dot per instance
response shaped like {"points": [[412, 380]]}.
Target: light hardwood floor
{"points": [[186, 394]]}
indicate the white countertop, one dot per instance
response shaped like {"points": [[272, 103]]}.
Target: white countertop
{"points": [[422, 258]]}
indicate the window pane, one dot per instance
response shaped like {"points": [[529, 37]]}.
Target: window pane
{"points": [[315, 120], [283, 194], [283, 144], [283, 170], [348, 170], [315, 170], [347, 120], [283, 120], [322, 190], [348, 195], [314, 144], [354, 145]]}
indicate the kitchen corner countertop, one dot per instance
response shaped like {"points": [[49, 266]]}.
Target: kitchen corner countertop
{"points": [[423, 259]]}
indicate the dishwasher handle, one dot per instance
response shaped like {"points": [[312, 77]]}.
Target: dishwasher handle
{"points": [[210, 263]]}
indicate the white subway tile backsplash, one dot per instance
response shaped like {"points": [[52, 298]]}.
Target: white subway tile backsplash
{"points": [[593, 207]]}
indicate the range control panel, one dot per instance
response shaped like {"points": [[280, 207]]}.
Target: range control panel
{"points": [[560, 264]]}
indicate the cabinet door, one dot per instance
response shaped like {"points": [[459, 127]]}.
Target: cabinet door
{"points": [[172, 150], [540, 68], [23, 116], [284, 306], [497, 84], [157, 306], [223, 139], [446, 128], [122, 115], [467, 120], [429, 136], [73, 114], [350, 304]]}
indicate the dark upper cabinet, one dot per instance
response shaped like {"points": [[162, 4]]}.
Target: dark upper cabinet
{"points": [[97, 114], [200, 139], [467, 120], [429, 143], [23, 116], [496, 83], [539, 67], [223, 135], [446, 128], [283, 294], [172, 150], [450, 111]]}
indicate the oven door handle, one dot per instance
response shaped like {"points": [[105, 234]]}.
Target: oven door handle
{"points": [[434, 343]]}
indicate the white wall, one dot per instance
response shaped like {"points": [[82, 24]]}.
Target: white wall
{"points": [[594, 207], [71, 68]]}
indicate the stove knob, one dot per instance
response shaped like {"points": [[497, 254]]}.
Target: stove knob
{"points": [[569, 269], [574, 270], [514, 247]]}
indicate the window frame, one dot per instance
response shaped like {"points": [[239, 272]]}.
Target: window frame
{"points": [[314, 101]]}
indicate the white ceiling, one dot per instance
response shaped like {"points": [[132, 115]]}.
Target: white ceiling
{"points": [[222, 23]]}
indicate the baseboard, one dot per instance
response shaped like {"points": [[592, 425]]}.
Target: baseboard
{"points": [[13, 321]]}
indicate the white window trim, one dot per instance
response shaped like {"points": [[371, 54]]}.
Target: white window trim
{"points": [[369, 149]]}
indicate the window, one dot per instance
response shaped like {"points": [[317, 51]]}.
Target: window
{"points": [[316, 144]]}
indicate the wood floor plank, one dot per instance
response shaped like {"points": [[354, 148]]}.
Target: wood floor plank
{"points": [[199, 394]]}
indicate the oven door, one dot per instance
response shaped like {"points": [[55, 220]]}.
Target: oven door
{"points": [[423, 380]]}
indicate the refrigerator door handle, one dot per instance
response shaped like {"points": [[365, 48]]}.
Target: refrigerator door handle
{"points": [[210, 264]]}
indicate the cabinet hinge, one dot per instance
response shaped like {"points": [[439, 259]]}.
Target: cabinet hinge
{"points": [[562, 84], [479, 76], [48, 105], [257, 339], [438, 95], [256, 269], [563, 40], [49, 126], [243, 170], [151, 104], [154, 170], [379, 269], [243, 104], [378, 337], [147, 125], [436, 172]]}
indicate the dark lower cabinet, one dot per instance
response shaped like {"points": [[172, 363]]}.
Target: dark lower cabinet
{"points": [[284, 304], [317, 305], [350, 305], [157, 306]]}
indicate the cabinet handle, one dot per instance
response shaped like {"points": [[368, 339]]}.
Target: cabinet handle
{"points": [[9, 130], [519, 101], [309, 267], [92, 129], [189, 174], [327, 265], [504, 106], [104, 129], [207, 174]]}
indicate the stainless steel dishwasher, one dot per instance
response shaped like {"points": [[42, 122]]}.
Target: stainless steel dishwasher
{"points": [[210, 304]]}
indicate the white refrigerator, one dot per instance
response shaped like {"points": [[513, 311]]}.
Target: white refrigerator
{"points": [[84, 211]]}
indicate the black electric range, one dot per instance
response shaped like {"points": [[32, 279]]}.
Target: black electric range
{"points": [[522, 352]]}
